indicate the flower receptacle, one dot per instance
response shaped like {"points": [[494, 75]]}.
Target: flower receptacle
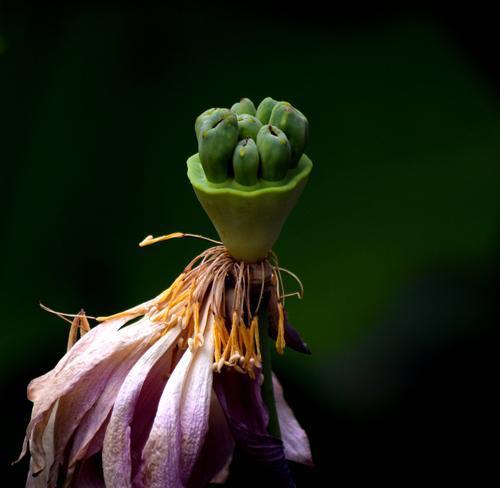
{"points": [[249, 219]]}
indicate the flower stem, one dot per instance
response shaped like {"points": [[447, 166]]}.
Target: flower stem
{"points": [[267, 385]]}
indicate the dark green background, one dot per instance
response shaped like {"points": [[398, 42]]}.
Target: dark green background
{"points": [[395, 237]]}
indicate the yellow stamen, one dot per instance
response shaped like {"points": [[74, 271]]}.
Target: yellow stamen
{"points": [[217, 340], [280, 339], [162, 297], [79, 324], [196, 332], [148, 240]]}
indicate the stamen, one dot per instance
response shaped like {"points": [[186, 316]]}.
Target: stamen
{"points": [[63, 315], [261, 286], [80, 323], [131, 312], [199, 296], [280, 339], [297, 294], [297, 279], [148, 240], [217, 340]]}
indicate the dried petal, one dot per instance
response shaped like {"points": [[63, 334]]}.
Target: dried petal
{"points": [[294, 438], [116, 448], [181, 421], [213, 461], [83, 369], [240, 398]]}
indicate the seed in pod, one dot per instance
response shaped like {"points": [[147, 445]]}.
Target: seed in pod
{"points": [[246, 162], [264, 109], [294, 124], [244, 106], [274, 152], [218, 135], [249, 126], [201, 118]]}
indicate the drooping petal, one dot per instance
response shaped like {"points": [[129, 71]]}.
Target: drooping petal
{"points": [[294, 437], [94, 397], [146, 407], [213, 462], [82, 369], [42, 480], [181, 421], [116, 448], [241, 399]]}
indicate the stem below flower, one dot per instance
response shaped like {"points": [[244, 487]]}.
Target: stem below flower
{"points": [[267, 385]]}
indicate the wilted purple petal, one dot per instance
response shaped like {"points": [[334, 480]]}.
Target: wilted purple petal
{"points": [[294, 438], [94, 397], [42, 479], [181, 421], [116, 453], [82, 369], [241, 399], [215, 456], [145, 409]]}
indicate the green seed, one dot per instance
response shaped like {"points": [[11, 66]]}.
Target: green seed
{"points": [[201, 118], [274, 151], [294, 124], [244, 106], [264, 109], [246, 162], [249, 126], [218, 135]]}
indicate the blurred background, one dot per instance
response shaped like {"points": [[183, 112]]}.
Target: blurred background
{"points": [[395, 237]]}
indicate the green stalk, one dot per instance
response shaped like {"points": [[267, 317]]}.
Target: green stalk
{"points": [[267, 385]]}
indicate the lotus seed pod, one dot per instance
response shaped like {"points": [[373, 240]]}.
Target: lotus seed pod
{"points": [[246, 162], [217, 139], [244, 106], [201, 118], [264, 109], [249, 126], [294, 124], [274, 151]]}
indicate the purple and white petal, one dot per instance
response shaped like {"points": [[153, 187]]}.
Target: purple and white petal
{"points": [[181, 421], [82, 369], [294, 437], [116, 453], [241, 399], [215, 456]]}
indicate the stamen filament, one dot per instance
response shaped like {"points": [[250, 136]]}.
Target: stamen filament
{"points": [[280, 339]]}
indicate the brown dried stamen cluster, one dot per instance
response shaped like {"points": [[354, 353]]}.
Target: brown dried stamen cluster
{"points": [[214, 286]]}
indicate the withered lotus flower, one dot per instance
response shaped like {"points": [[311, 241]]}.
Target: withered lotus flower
{"points": [[159, 395]]}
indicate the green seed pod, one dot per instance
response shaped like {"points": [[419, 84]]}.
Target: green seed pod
{"points": [[201, 118], [264, 109], [274, 151], [246, 162], [294, 124], [244, 106], [218, 135], [249, 126]]}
